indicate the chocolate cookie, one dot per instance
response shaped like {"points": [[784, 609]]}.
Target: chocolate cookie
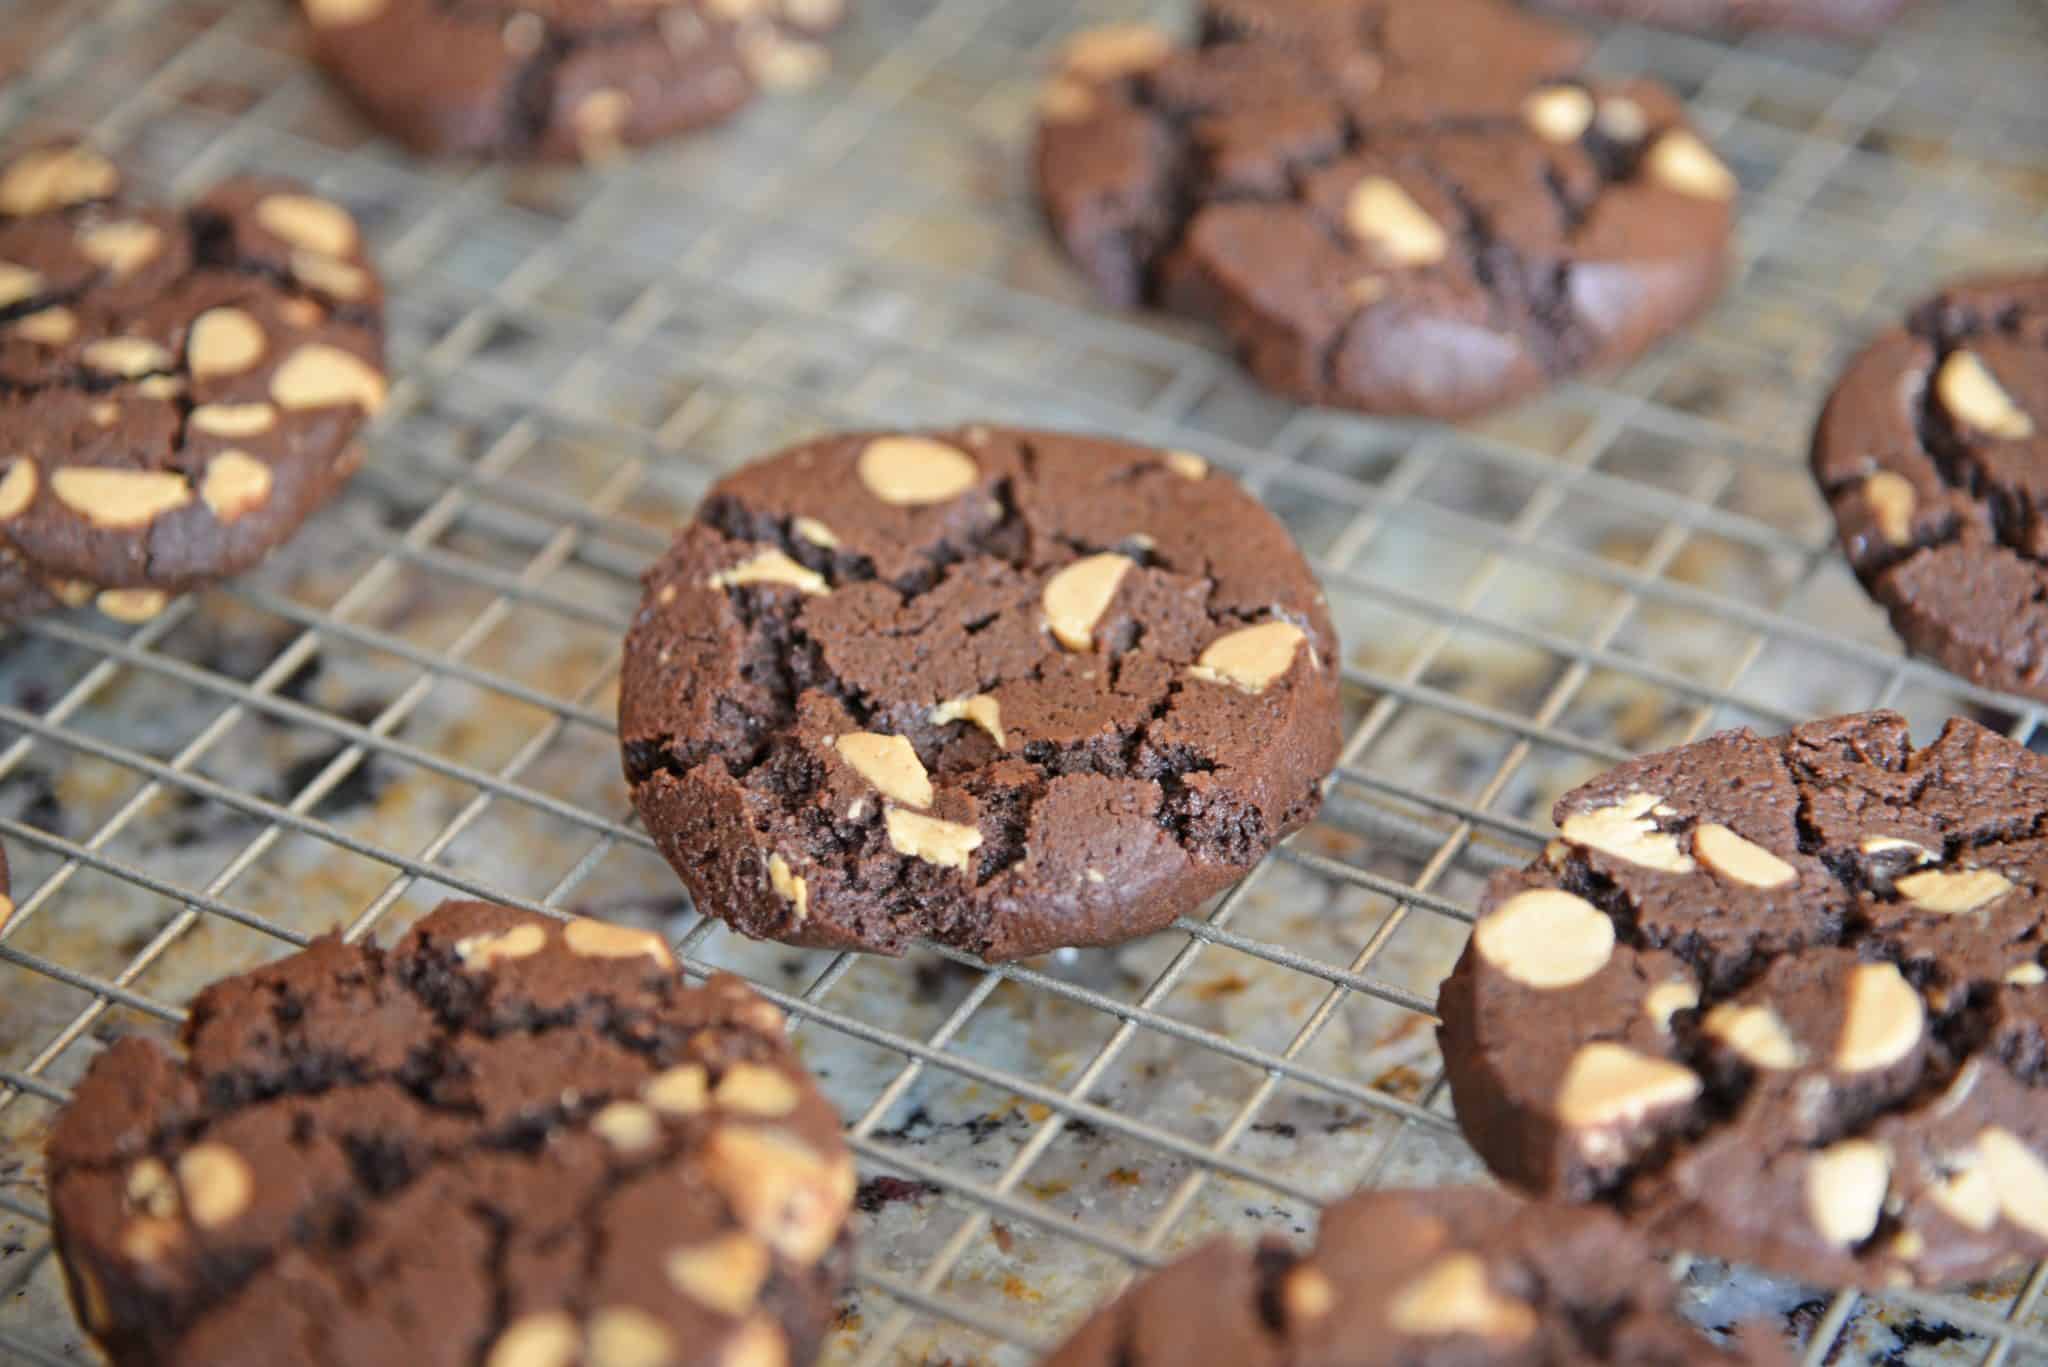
{"points": [[1779, 1000], [1933, 451], [563, 78], [1461, 1276], [1837, 18], [506, 1141], [183, 387], [1008, 690], [1404, 206]]}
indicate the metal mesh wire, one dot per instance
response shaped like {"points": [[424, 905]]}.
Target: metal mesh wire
{"points": [[415, 698]]}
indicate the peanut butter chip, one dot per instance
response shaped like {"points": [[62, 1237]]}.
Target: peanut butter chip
{"points": [[769, 567], [815, 532], [725, 1274], [1065, 99], [122, 248], [303, 221], [1680, 161], [225, 341], [1452, 1297], [945, 843], [317, 375], [890, 764], [1666, 1000], [1115, 50], [1891, 499], [151, 1189], [1973, 396], [627, 1336], [2026, 975], [17, 488], [53, 177], [113, 499], [1728, 854], [1883, 1019], [914, 471], [548, 1339], [1845, 1187], [49, 327], [1187, 464], [627, 1126], [759, 1343], [131, 605], [1250, 659], [1968, 1197], [217, 1184], [982, 709], [1948, 893], [1545, 938], [233, 419], [1307, 1294], [755, 1089], [331, 277], [1558, 113], [603, 940], [482, 950], [682, 1090], [789, 887], [1075, 598], [236, 483], [1382, 214], [1608, 1084], [147, 1239], [782, 1191], [1757, 1033], [1885, 844], [2019, 1177], [599, 118], [17, 283], [336, 13], [126, 356], [1622, 119], [1625, 830]]}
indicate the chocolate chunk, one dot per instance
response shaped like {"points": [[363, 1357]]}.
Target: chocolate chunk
{"points": [[193, 381], [1008, 690], [1404, 206], [1779, 1000], [1933, 452], [507, 1140], [563, 78], [1462, 1276]]}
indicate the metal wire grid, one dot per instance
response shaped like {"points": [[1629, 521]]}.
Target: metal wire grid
{"points": [[601, 346]]}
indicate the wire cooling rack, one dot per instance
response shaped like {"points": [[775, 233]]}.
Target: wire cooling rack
{"points": [[415, 699]]}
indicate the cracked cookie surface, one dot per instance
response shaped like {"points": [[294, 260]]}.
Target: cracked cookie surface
{"points": [[184, 386], [507, 1140], [1779, 1000], [1404, 206], [1419, 1278], [563, 78], [1007, 690], [1933, 452]]}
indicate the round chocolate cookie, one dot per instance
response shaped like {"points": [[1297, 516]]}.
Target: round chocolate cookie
{"points": [[563, 78], [1779, 1000], [507, 1141], [183, 387], [1834, 18], [1008, 690], [1404, 206], [1452, 1277], [1933, 451]]}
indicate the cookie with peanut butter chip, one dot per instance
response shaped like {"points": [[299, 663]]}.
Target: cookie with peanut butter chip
{"points": [[1933, 451], [1465, 1276], [506, 1140], [1780, 1000], [1006, 690], [185, 386], [1403, 206], [580, 79]]}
